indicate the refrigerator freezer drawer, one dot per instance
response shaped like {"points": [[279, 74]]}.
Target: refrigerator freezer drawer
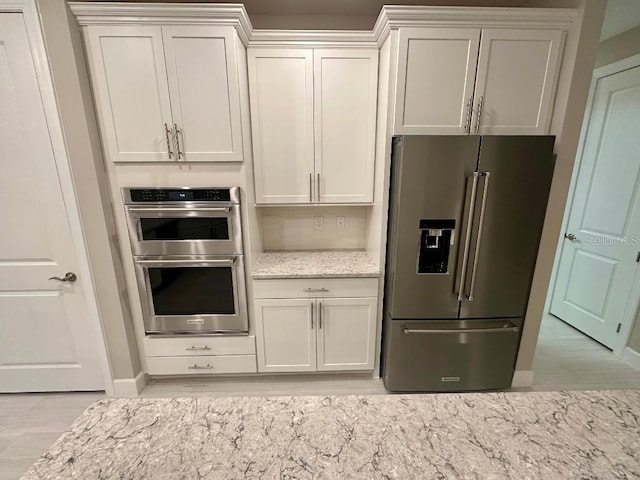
{"points": [[450, 355]]}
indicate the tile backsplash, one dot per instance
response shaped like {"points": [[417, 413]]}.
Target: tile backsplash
{"points": [[293, 228]]}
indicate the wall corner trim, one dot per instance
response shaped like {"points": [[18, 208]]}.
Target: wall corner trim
{"points": [[522, 379], [631, 357], [129, 387]]}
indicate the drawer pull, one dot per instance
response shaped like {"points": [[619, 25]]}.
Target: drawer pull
{"points": [[195, 366], [194, 348], [315, 290]]}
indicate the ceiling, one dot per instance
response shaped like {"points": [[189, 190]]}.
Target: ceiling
{"points": [[621, 15]]}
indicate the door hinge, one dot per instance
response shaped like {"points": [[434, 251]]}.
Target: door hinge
{"points": [[638, 258], [618, 329]]}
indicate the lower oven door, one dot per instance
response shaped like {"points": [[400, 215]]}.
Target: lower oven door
{"points": [[193, 295]]}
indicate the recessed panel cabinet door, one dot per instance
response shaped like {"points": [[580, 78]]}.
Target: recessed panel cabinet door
{"points": [[286, 339], [203, 83], [436, 74], [345, 96], [132, 96], [346, 333], [281, 91], [517, 75]]}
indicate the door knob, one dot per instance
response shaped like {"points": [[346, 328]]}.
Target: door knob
{"points": [[570, 236], [68, 277]]}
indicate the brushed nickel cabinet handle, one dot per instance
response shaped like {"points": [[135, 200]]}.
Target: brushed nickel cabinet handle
{"points": [[310, 188], [195, 366], [318, 189], [467, 124], [311, 315], [166, 134], [194, 348], [480, 104], [320, 315], [177, 132], [314, 290]]}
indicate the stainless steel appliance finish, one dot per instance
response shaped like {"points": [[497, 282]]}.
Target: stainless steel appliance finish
{"points": [[187, 246], [465, 220], [149, 211]]}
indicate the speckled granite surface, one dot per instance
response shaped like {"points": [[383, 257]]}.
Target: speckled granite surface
{"points": [[550, 435], [315, 264]]}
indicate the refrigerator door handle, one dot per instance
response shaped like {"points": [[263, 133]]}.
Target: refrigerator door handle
{"points": [[483, 205], [506, 329], [467, 238]]}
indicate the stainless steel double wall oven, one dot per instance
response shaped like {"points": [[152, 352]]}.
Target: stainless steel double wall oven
{"points": [[188, 255]]}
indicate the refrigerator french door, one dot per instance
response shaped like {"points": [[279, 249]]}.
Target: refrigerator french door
{"points": [[465, 218]]}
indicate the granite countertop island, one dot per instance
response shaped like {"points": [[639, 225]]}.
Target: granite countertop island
{"points": [[514, 435], [315, 264]]}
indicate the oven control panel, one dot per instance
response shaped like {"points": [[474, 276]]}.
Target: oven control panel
{"points": [[157, 195]]}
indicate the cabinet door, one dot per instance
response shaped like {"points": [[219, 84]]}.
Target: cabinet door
{"points": [[436, 74], [281, 97], [516, 81], [286, 340], [346, 333], [345, 98], [131, 92], [203, 83]]}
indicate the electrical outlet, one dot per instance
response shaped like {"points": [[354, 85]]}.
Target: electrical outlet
{"points": [[318, 223], [339, 223]]}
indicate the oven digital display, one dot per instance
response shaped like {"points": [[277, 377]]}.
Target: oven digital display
{"points": [[180, 195]]}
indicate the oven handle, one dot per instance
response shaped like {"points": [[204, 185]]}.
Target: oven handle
{"points": [[168, 263], [178, 209]]}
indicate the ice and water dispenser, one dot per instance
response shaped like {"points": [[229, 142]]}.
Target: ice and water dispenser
{"points": [[436, 239]]}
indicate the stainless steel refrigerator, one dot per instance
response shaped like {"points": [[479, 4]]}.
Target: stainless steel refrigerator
{"points": [[465, 218]]}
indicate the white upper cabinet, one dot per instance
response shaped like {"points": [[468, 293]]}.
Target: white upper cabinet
{"points": [[436, 76], [203, 81], [515, 86], [166, 93], [345, 94], [281, 97], [476, 81], [313, 116], [131, 92]]}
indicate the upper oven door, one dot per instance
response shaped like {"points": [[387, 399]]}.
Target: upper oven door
{"points": [[184, 230]]}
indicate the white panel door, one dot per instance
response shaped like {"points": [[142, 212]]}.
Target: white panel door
{"points": [[203, 86], [46, 341], [345, 98], [346, 333], [597, 268], [285, 335], [281, 97], [436, 75], [516, 81], [132, 96]]}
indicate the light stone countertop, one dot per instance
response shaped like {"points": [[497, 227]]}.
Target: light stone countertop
{"points": [[513, 435], [315, 264]]}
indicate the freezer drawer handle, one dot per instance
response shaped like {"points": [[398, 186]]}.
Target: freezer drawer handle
{"points": [[467, 238], [513, 329], [483, 205]]}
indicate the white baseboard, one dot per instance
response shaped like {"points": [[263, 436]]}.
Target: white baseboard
{"points": [[631, 358], [129, 387], [522, 379]]}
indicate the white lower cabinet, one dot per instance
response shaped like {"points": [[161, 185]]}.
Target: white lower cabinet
{"points": [[200, 355], [323, 334]]}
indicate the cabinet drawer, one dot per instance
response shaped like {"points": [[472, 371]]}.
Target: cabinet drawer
{"points": [[190, 346], [299, 288], [203, 365]]}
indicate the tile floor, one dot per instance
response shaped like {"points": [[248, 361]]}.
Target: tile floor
{"points": [[566, 359], [29, 423]]}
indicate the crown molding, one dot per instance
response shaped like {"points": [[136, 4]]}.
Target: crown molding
{"points": [[397, 16], [391, 17], [124, 13], [311, 38]]}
